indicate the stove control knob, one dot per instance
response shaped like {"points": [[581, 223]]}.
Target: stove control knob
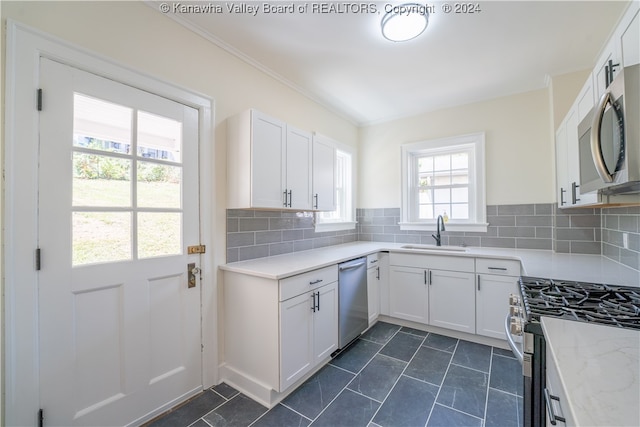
{"points": [[514, 299], [516, 326], [515, 311]]}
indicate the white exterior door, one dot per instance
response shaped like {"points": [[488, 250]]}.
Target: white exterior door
{"points": [[119, 328]]}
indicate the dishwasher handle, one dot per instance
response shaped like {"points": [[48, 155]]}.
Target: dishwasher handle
{"points": [[351, 266]]}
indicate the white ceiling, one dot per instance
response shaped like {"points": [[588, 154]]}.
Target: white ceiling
{"points": [[343, 62]]}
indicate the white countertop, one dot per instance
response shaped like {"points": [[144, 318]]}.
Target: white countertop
{"points": [[599, 368], [539, 263]]}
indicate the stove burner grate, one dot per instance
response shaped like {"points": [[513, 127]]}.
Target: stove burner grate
{"points": [[591, 302]]}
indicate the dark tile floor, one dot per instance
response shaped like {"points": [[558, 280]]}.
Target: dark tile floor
{"points": [[391, 376]]}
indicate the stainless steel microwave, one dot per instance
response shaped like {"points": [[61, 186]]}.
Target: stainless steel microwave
{"points": [[609, 138]]}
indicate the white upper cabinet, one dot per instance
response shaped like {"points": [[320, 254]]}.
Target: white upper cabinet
{"points": [[608, 66], [622, 50], [268, 163], [562, 172], [630, 41], [298, 168], [324, 174]]}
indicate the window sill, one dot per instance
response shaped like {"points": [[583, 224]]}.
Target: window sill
{"points": [[335, 226], [421, 226]]}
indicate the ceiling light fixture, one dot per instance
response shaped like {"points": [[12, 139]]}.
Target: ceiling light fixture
{"points": [[404, 22]]}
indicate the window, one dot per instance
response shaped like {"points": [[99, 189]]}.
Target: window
{"points": [[343, 217], [444, 177]]}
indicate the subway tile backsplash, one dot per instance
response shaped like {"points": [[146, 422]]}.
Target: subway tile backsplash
{"points": [[259, 233], [526, 226], [616, 223]]}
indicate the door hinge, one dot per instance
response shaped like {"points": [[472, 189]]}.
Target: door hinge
{"points": [[39, 99], [199, 249], [41, 418], [38, 259]]}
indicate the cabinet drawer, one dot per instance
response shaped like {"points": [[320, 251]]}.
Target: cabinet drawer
{"points": [[437, 262], [505, 267], [373, 260], [295, 285], [555, 396]]}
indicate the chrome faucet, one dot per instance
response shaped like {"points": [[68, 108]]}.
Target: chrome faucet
{"points": [[439, 227]]}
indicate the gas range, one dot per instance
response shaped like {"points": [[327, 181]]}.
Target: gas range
{"points": [[587, 302], [615, 306]]}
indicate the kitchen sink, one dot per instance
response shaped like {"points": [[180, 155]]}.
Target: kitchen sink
{"points": [[435, 248]]}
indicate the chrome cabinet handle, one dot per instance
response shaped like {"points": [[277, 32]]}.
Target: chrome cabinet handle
{"points": [[285, 198], [313, 304], [479, 281], [562, 200], [315, 282], [316, 204], [290, 198], [497, 268]]}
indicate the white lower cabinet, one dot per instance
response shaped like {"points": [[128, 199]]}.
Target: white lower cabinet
{"points": [[453, 292], [277, 331], [408, 293], [308, 332], [434, 297], [373, 287], [325, 323], [452, 300], [296, 345], [496, 280]]}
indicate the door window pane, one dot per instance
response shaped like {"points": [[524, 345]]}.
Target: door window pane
{"points": [[159, 234], [159, 186], [159, 137], [100, 237], [103, 181], [101, 125]]}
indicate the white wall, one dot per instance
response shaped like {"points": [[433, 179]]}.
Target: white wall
{"points": [[519, 149]]}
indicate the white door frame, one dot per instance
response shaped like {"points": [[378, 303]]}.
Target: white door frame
{"points": [[24, 47]]}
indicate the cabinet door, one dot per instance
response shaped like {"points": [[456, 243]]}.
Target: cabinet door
{"points": [[630, 42], [296, 331], [562, 175], [452, 300], [373, 293], [324, 174], [268, 161], [492, 303], [325, 322], [602, 73], [586, 99], [298, 168], [575, 196], [408, 294]]}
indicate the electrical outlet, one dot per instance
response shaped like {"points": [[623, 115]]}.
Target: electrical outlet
{"points": [[625, 240]]}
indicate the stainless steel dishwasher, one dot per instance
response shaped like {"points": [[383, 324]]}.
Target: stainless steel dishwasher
{"points": [[353, 317]]}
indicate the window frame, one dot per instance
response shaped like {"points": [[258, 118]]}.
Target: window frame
{"points": [[348, 222], [474, 144]]}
